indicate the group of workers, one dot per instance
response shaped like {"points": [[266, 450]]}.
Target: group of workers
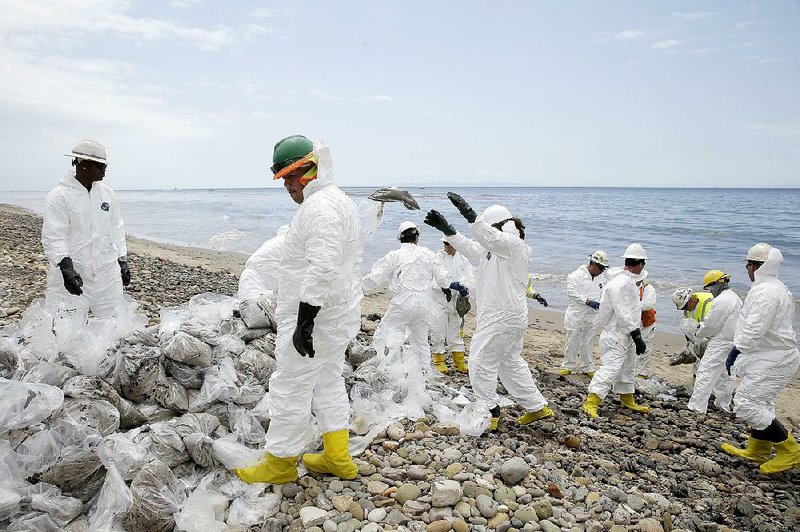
{"points": [[314, 267]]}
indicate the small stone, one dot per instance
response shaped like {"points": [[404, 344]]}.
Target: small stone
{"points": [[571, 441], [445, 493], [514, 470], [375, 487], [452, 454], [636, 503], [415, 508], [438, 526], [543, 509], [336, 486], [486, 506], [329, 525], [504, 493], [419, 458], [453, 469], [439, 514], [406, 492], [498, 520], [370, 527], [312, 516], [290, 490], [356, 511], [554, 490], [342, 502], [547, 526], [526, 514], [396, 432], [651, 442], [459, 525], [377, 515], [446, 429], [650, 525], [396, 517]]}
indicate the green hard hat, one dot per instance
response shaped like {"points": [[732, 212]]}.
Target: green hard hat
{"points": [[289, 150]]}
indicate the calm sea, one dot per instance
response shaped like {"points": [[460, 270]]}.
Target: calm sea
{"points": [[685, 231]]}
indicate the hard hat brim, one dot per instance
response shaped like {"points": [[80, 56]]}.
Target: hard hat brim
{"points": [[86, 157]]}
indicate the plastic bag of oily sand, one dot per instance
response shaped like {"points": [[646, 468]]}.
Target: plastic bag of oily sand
{"points": [[84, 387], [137, 372], [187, 349], [188, 376], [157, 496], [77, 472], [48, 499]]}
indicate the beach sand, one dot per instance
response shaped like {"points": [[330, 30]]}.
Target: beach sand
{"points": [[542, 348]]}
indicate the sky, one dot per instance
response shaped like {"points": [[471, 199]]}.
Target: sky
{"points": [[195, 93]]}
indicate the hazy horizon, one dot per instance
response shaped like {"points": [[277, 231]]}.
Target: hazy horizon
{"points": [[194, 94]]}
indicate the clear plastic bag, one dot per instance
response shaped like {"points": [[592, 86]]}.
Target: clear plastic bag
{"points": [[137, 372], [120, 451], [187, 349], [157, 497], [24, 404], [167, 445], [252, 511], [219, 384], [48, 499], [235, 455], [78, 472], [96, 414], [204, 511], [246, 425], [10, 349], [9, 504], [256, 363], [50, 373], [112, 502]]}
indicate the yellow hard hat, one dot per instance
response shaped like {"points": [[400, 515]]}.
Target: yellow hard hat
{"points": [[713, 276]]}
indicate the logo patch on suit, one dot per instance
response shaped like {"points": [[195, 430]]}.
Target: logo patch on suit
{"points": [[105, 206], [489, 256]]}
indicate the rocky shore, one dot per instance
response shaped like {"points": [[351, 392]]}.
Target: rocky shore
{"points": [[660, 471]]}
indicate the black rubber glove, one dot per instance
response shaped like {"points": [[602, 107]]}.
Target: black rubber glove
{"points": [[460, 288], [447, 295], [437, 221], [462, 206], [594, 304], [636, 334], [124, 271], [729, 362], [303, 334], [540, 299], [72, 281]]}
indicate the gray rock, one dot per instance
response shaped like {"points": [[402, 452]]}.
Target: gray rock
{"points": [[445, 493], [312, 516], [486, 506], [514, 470], [407, 492], [543, 508]]}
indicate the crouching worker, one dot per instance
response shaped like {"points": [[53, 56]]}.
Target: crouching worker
{"points": [[318, 314]]}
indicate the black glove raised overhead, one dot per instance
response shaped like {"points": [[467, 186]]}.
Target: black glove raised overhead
{"points": [[462, 206], [72, 281], [303, 334], [636, 334], [124, 271], [437, 221]]}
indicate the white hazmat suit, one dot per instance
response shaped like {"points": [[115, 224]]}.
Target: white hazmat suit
{"points": [[261, 270], [501, 259], [711, 377], [445, 321], [320, 266], [620, 313], [411, 272], [768, 344], [580, 320], [87, 227]]}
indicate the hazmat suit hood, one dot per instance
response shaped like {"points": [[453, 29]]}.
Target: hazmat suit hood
{"points": [[324, 168], [617, 270], [70, 181], [770, 267]]}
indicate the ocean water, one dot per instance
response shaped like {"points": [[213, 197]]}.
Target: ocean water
{"points": [[685, 231]]}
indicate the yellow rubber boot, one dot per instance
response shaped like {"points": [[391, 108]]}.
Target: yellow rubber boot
{"points": [[335, 458], [495, 421], [627, 401], [271, 469], [459, 363], [530, 417], [591, 404], [564, 371], [787, 456], [590, 374], [439, 364], [757, 451]]}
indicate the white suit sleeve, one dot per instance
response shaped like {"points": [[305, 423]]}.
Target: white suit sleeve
{"points": [[714, 321], [574, 292], [55, 228], [755, 320], [118, 227], [649, 298], [473, 251], [627, 307], [380, 274], [440, 273], [502, 244], [323, 248]]}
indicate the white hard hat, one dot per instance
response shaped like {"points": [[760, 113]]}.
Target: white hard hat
{"points": [[405, 226], [759, 252], [496, 213], [89, 150], [681, 297], [600, 258], [634, 251]]}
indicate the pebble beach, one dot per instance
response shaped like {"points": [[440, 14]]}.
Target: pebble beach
{"points": [[660, 471]]}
